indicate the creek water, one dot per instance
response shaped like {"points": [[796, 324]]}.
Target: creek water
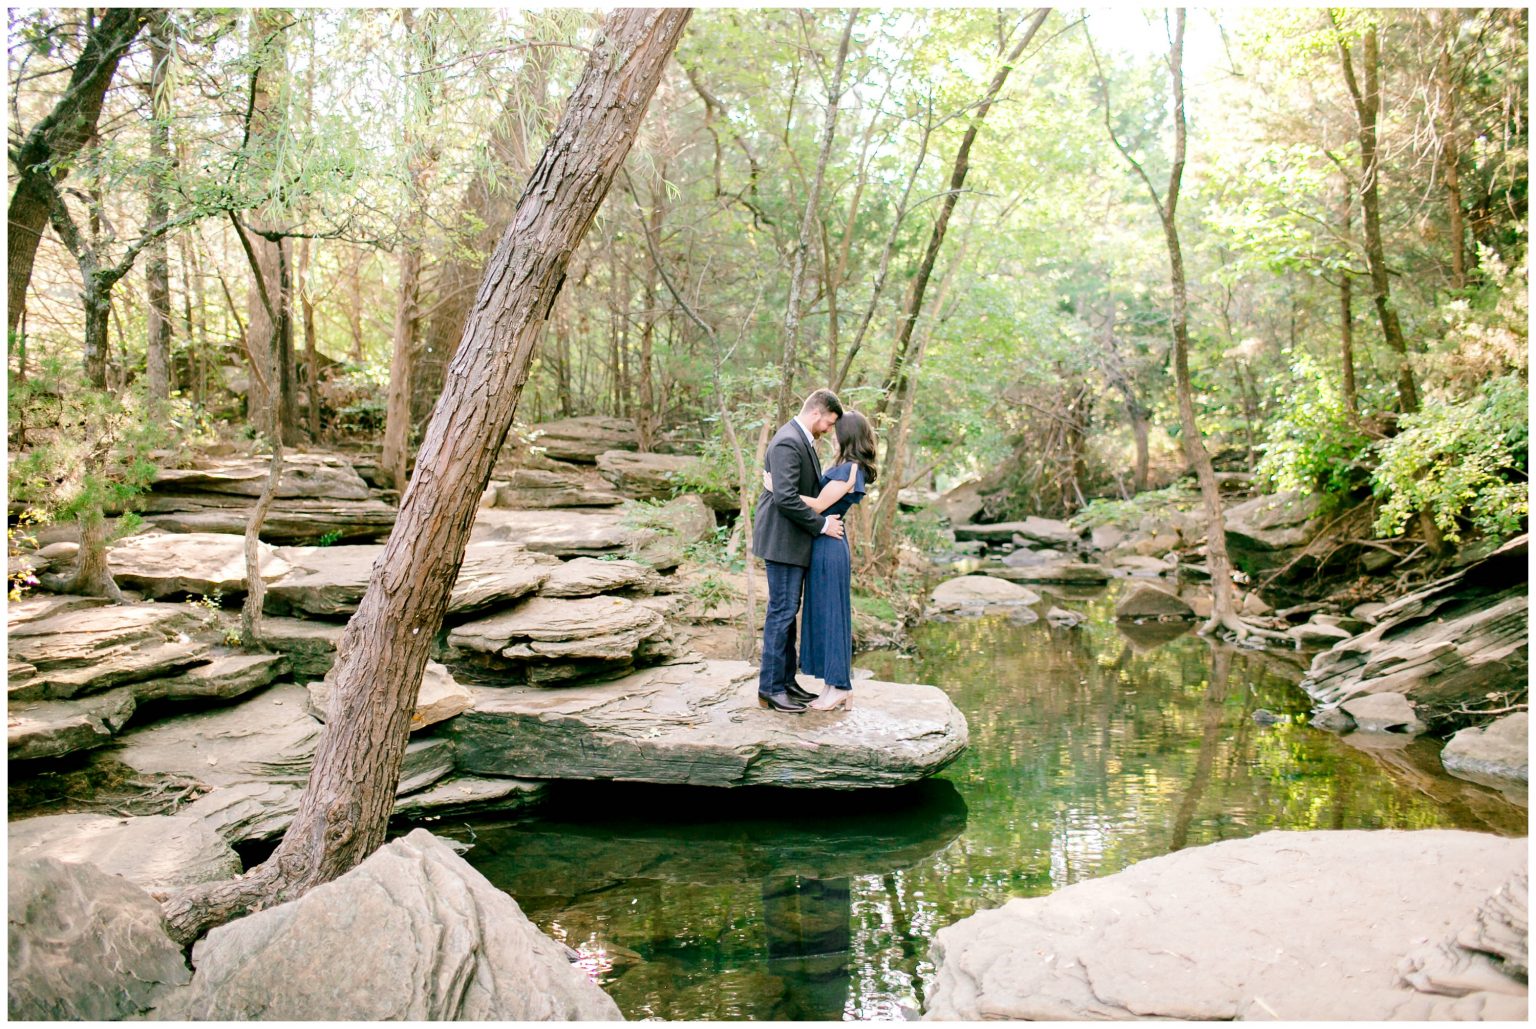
{"points": [[1090, 749]]}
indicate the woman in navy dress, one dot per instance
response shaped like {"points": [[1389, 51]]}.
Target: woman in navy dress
{"points": [[826, 614]]}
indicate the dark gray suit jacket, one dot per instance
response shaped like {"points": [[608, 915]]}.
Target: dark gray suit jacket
{"points": [[784, 528]]}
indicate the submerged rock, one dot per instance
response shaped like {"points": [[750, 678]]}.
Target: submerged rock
{"points": [[975, 593], [158, 852], [1497, 754], [1384, 712], [411, 933], [699, 723], [1216, 933], [84, 945], [1144, 600]]}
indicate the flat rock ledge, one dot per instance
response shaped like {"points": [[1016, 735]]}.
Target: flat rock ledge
{"points": [[699, 723], [439, 942], [1262, 928]]}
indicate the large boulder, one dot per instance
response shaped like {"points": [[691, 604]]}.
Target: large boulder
{"points": [[582, 440], [977, 593], [87, 650], [51, 728], [662, 534], [1217, 933], [158, 852], [551, 640], [84, 945], [299, 521], [167, 564], [570, 532], [1446, 647], [544, 488], [411, 933], [660, 476], [1497, 754], [1143, 600], [1268, 531], [699, 723]]}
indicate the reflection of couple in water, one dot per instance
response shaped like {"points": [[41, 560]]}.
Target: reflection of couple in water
{"points": [[799, 533]]}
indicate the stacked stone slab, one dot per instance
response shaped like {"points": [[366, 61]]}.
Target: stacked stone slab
{"points": [[319, 496], [582, 439]]}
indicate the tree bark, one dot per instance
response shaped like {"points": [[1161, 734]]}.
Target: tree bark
{"points": [[1367, 108], [344, 810], [896, 377], [397, 406], [1450, 153], [42, 159], [157, 273], [794, 311]]}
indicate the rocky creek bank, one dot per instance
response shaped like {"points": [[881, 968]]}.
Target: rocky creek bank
{"points": [[1393, 646]]}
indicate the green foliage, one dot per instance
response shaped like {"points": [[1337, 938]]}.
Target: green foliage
{"points": [[1313, 444], [875, 606], [85, 451], [1108, 511], [1459, 460], [328, 538], [19, 577], [711, 591]]}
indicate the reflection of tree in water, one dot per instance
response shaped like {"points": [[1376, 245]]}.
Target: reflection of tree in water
{"points": [[806, 922], [1212, 716]]}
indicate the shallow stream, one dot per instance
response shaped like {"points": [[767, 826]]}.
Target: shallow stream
{"points": [[1089, 750]]}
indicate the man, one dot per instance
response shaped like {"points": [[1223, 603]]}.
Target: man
{"points": [[782, 536]]}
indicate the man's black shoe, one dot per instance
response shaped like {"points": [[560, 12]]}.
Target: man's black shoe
{"points": [[797, 692], [779, 702]]}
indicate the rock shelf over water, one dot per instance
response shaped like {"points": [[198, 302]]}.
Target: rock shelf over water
{"points": [[1290, 926], [699, 723]]}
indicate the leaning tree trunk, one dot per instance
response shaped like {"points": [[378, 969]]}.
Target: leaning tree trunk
{"points": [[344, 810], [54, 141]]}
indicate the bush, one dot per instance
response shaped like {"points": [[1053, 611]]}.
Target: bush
{"points": [[1460, 461], [1313, 445]]}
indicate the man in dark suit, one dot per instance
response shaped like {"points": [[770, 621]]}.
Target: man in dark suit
{"points": [[782, 536]]}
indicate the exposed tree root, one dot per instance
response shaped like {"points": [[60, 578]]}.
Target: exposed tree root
{"points": [[1241, 629]]}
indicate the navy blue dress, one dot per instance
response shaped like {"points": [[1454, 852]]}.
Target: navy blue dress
{"points": [[826, 616]]}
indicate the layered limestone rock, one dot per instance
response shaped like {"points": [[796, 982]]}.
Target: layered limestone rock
{"points": [[1216, 933], [1066, 573], [543, 488], [318, 495], [660, 476], [170, 564], [91, 649], [1497, 754], [157, 852], [439, 942], [582, 440], [51, 728], [700, 723], [1048, 531], [1270, 530], [84, 945], [440, 697], [1446, 647], [553, 640]]}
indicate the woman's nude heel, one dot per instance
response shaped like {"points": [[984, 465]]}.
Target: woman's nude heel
{"points": [[840, 699]]}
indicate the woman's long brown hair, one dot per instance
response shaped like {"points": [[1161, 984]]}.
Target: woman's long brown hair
{"points": [[856, 442]]}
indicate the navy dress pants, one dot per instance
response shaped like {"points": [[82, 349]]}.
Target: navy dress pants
{"points": [[778, 668]]}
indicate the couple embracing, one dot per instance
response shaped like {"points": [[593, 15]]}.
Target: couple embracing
{"points": [[799, 533]]}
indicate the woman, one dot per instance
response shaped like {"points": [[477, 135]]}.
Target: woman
{"points": [[826, 615]]}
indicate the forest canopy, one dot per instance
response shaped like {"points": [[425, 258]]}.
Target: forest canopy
{"points": [[273, 224]]}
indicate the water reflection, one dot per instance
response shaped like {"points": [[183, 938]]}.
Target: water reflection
{"points": [[1089, 751]]}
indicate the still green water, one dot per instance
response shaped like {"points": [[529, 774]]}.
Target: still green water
{"points": [[1089, 750]]}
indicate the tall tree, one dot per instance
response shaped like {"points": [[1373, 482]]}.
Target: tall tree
{"points": [[1223, 609], [345, 806], [157, 273], [42, 160], [794, 310], [1367, 104]]}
